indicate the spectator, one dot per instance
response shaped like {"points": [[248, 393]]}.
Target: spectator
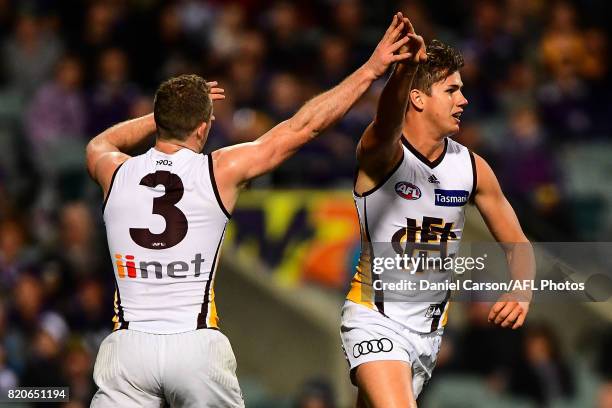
{"points": [[245, 80], [335, 62], [15, 255], [350, 23], [75, 257], [226, 34], [501, 348], [528, 170], [563, 42], [89, 314], [542, 374], [26, 308], [286, 96], [78, 372], [8, 379], [101, 29], [171, 54], [44, 362], [30, 54], [492, 47], [285, 38], [519, 88], [55, 121], [316, 393], [112, 95]]}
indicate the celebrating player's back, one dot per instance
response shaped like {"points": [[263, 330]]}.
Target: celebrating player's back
{"points": [[166, 212]]}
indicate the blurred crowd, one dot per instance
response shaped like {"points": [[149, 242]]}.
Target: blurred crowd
{"points": [[535, 77]]}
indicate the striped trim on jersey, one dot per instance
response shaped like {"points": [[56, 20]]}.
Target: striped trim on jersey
{"points": [[378, 294], [362, 285], [440, 321], [474, 177], [445, 315], [208, 318], [214, 186], [363, 280], [118, 319], [382, 181], [110, 188]]}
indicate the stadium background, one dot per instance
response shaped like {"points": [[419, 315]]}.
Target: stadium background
{"points": [[536, 77]]}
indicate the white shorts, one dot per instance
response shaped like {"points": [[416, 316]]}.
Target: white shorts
{"points": [[369, 336], [191, 369]]}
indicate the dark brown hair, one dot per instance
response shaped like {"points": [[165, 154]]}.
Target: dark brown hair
{"points": [[181, 105], [442, 61]]}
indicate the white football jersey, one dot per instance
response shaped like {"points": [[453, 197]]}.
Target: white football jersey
{"points": [[165, 223], [418, 210]]}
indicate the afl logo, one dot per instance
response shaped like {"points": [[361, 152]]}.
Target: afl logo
{"points": [[407, 190]]}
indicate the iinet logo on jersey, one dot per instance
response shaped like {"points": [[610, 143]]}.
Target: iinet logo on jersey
{"points": [[126, 268]]}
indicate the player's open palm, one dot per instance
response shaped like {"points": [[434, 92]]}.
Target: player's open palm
{"points": [[415, 47], [386, 52]]}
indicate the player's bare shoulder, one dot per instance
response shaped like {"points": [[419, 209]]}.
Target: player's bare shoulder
{"points": [[104, 167]]}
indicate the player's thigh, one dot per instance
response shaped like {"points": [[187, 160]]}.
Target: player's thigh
{"points": [[361, 402], [124, 372], [201, 371], [385, 384]]}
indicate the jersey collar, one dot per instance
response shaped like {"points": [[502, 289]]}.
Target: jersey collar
{"points": [[425, 160]]}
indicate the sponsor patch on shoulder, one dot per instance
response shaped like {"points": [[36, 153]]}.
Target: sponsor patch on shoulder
{"points": [[407, 190], [451, 198]]}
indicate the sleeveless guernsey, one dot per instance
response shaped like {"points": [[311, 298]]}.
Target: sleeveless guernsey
{"points": [[165, 223], [419, 209]]}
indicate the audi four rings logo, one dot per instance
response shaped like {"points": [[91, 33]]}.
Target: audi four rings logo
{"points": [[383, 345]]}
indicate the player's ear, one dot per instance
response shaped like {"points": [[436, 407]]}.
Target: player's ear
{"points": [[202, 129], [417, 100]]}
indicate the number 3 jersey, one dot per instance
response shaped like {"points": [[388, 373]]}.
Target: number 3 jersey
{"points": [[165, 223], [417, 211]]}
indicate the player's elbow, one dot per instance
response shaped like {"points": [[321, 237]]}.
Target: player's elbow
{"points": [[91, 155], [94, 150], [91, 147]]}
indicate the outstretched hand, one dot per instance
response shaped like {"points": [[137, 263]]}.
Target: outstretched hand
{"points": [[385, 53], [415, 48], [399, 43]]}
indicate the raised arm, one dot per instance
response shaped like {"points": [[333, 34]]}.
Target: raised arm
{"points": [[107, 151], [498, 214], [380, 148], [235, 165]]}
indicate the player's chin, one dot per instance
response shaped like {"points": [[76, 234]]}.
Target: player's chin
{"points": [[456, 122], [453, 129]]}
